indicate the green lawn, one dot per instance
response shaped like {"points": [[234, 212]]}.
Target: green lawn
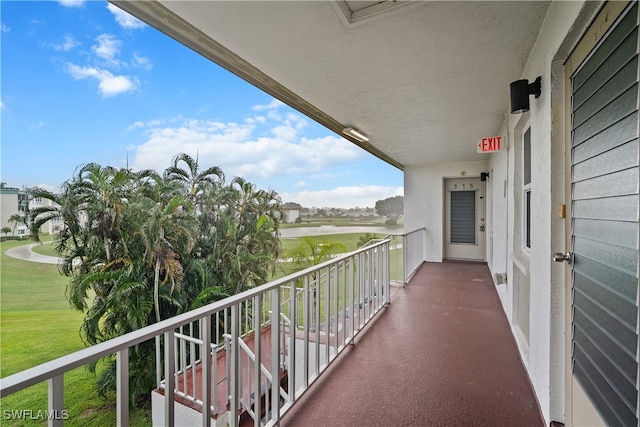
{"points": [[349, 240], [46, 248], [37, 325]]}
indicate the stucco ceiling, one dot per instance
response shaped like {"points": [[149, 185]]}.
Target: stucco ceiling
{"points": [[422, 79]]}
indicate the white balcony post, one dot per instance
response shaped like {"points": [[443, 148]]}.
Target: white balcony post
{"points": [[158, 362], [56, 400], [275, 356], [293, 327], [235, 364], [316, 318], [327, 314], [122, 387], [387, 269], [169, 379], [336, 297], [405, 258], [351, 299], [257, 349], [306, 309], [205, 358]]}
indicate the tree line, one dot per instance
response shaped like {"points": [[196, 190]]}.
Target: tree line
{"points": [[140, 247]]}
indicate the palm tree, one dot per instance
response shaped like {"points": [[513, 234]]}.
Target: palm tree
{"points": [[312, 251], [140, 246], [104, 191], [248, 244], [194, 182], [168, 231], [17, 219]]}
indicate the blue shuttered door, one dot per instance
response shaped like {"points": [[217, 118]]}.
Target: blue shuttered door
{"points": [[605, 224]]}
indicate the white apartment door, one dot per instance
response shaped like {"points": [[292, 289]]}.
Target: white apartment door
{"points": [[602, 222], [464, 219]]}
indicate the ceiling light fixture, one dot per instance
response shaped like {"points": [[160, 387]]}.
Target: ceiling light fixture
{"points": [[355, 133]]}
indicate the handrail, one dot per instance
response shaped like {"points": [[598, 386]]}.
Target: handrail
{"points": [[53, 368], [412, 252], [413, 249], [353, 288]]}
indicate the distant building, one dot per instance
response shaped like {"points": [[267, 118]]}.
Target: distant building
{"points": [[52, 226], [13, 201], [291, 212], [16, 201]]}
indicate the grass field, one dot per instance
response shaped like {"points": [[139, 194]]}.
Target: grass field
{"points": [[37, 325], [46, 248]]}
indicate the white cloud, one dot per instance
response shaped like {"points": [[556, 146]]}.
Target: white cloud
{"points": [[124, 19], [4, 28], [68, 44], [107, 48], [108, 84], [141, 62], [3, 106], [275, 104], [302, 183], [37, 125], [249, 149], [343, 197], [71, 3]]}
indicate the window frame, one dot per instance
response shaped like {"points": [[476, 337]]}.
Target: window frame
{"points": [[526, 190]]}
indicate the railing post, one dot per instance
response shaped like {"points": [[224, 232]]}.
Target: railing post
{"points": [[235, 368], [169, 379], [122, 387], [405, 258], [158, 361], [205, 358], [306, 309], [316, 317], [56, 401], [293, 327], [352, 297], [275, 356], [257, 349], [327, 315], [387, 268]]}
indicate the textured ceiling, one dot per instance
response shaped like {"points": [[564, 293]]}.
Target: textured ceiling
{"points": [[423, 80]]}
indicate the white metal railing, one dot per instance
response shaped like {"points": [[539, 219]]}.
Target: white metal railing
{"points": [[312, 316], [406, 253], [413, 251]]}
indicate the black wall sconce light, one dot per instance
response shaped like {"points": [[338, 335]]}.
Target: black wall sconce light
{"points": [[484, 176], [520, 91]]}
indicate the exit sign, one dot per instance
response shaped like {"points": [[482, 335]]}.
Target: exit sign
{"points": [[490, 144]]}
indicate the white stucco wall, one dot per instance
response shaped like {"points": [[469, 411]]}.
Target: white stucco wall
{"points": [[543, 350], [424, 198], [563, 26], [499, 221]]}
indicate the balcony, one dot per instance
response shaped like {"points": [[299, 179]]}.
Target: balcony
{"points": [[340, 343], [441, 353]]}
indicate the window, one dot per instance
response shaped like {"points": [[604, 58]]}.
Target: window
{"points": [[526, 187]]}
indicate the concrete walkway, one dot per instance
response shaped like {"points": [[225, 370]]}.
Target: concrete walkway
{"points": [[25, 253], [441, 354]]}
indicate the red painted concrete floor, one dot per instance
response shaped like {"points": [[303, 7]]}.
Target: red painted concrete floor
{"points": [[442, 354]]}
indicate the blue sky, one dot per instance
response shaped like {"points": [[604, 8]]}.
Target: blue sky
{"points": [[85, 82]]}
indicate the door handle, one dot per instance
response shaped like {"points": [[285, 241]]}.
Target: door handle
{"points": [[560, 257]]}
